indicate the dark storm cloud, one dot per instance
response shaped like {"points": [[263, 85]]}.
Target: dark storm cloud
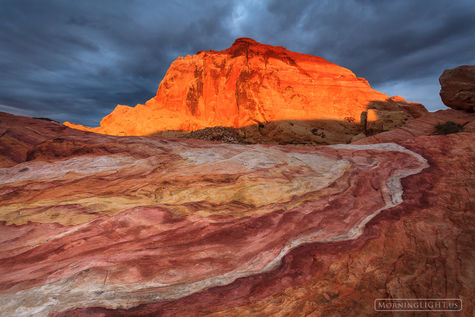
{"points": [[75, 60], [401, 47]]}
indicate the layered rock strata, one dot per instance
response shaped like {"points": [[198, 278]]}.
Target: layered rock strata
{"points": [[97, 225]]}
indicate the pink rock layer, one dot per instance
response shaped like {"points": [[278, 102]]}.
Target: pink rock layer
{"points": [[323, 231]]}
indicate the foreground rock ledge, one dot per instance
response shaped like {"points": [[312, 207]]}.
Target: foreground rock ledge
{"points": [[95, 224]]}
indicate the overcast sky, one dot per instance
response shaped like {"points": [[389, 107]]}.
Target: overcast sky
{"points": [[75, 60]]}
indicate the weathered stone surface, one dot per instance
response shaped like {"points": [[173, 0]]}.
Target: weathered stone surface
{"points": [[309, 132], [378, 118], [457, 88], [96, 225], [252, 83], [423, 126]]}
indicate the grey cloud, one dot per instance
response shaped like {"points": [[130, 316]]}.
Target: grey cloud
{"points": [[75, 60]]}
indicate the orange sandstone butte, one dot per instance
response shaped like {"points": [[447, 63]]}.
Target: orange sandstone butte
{"points": [[249, 83]]}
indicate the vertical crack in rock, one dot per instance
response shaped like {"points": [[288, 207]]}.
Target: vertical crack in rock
{"points": [[195, 92]]}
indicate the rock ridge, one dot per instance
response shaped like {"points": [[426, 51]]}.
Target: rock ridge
{"points": [[251, 83]]}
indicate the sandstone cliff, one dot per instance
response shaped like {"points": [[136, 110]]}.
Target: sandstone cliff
{"points": [[252, 83]]}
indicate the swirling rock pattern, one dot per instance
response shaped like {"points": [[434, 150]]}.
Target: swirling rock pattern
{"points": [[102, 225]]}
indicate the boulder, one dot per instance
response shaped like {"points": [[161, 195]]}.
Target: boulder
{"points": [[457, 88]]}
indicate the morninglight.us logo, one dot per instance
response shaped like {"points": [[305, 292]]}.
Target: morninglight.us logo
{"points": [[418, 304]]}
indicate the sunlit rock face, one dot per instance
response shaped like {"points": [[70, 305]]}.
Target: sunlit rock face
{"points": [[252, 83], [380, 117]]}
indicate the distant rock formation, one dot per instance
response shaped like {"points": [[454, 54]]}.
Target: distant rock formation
{"points": [[252, 84], [458, 88]]}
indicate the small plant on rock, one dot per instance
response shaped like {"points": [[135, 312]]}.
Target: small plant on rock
{"points": [[349, 119], [448, 128]]}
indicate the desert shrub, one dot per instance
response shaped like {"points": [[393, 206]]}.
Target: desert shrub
{"points": [[349, 119], [317, 132], [448, 128]]}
